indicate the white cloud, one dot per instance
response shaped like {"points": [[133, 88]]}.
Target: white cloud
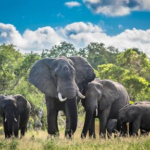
{"points": [[72, 4], [37, 40], [80, 34], [117, 7], [9, 34]]}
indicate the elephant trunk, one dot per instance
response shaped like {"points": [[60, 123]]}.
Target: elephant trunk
{"points": [[10, 125], [68, 90], [88, 119], [73, 118]]}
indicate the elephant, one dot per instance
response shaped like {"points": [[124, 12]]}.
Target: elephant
{"points": [[15, 111], [63, 81], [137, 115], [111, 126], [104, 99], [114, 126]]}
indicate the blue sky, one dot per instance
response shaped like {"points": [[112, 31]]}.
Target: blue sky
{"points": [[73, 21]]}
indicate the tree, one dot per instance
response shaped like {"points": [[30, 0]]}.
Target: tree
{"points": [[97, 54], [64, 49], [10, 58], [136, 86], [112, 71], [138, 63]]}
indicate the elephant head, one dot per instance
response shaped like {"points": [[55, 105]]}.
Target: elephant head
{"points": [[11, 107], [128, 113], [100, 93], [63, 78]]}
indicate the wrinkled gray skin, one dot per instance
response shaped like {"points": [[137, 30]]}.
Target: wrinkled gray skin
{"points": [[108, 97], [66, 76], [138, 117], [112, 126], [15, 111]]}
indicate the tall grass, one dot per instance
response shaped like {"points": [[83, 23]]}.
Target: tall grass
{"points": [[38, 140]]}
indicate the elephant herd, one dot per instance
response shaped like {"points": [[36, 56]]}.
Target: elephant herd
{"points": [[65, 81]]}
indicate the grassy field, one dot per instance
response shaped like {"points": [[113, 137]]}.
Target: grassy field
{"points": [[39, 140]]}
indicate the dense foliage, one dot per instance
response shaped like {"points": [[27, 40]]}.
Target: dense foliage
{"points": [[130, 67]]}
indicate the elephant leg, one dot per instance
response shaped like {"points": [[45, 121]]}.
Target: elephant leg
{"points": [[130, 129], [23, 129], [124, 129], [57, 130], [92, 129], [67, 131], [109, 134], [51, 116], [16, 129], [87, 122], [7, 135], [136, 126], [103, 117], [144, 133]]}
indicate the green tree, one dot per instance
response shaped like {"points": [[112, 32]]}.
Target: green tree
{"points": [[136, 86], [10, 58], [138, 63], [64, 49], [97, 54], [112, 71]]}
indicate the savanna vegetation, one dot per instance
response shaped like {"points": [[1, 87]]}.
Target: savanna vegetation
{"points": [[130, 67]]}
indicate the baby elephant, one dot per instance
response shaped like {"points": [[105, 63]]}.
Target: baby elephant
{"points": [[15, 111], [138, 116]]}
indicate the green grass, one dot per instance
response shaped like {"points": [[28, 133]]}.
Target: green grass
{"points": [[39, 140]]}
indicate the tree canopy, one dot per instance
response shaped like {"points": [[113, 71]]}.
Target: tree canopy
{"points": [[130, 67]]}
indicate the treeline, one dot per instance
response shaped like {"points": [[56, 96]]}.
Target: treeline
{"points": [[130, 67]]}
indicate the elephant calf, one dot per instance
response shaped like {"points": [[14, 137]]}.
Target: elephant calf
{"points": [[104, 99], [138, 116], [15, 111]]}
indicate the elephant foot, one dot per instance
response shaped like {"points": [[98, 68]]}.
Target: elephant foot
{"points": [[102, 136], [109, 136], [51, 136], [83, 136], [93, 136], [68, 134]]}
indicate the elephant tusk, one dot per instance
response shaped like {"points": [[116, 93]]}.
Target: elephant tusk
{"points": [[96, 112], [5, 119], [15, 119], [60, 97], [80, 95]]}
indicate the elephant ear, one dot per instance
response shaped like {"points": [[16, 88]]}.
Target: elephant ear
{"points": [[40, 76], [109, 94], [2, 97], [1, 103], [133, 111], [84, 71], [21, 103]]}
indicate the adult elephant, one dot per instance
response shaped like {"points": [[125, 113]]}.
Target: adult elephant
{"points": [[15, 111], [105, 98], [61, 80]]}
